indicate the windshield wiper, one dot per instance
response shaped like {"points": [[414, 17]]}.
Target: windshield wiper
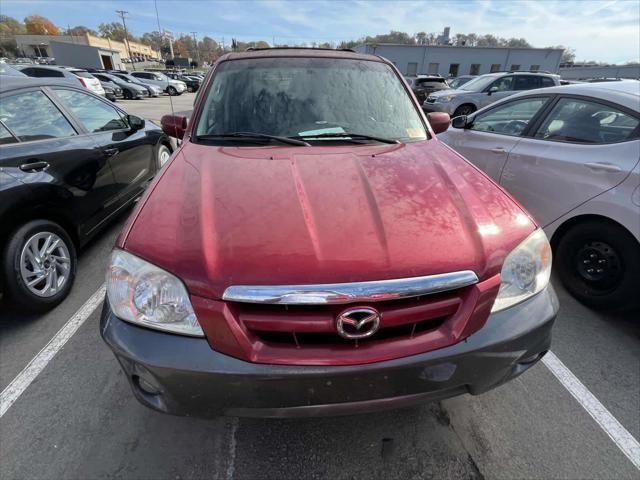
{"points": [[287, 140], [347, 135]]}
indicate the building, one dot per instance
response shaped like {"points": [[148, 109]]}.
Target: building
{"points": [[84, 56], [584, 72], [450, 61], [39, 45]]}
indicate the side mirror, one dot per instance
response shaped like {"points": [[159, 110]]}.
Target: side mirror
{"points": [[174, 125], [492, 90], [460, 122], [135, 123], [439, 121]]}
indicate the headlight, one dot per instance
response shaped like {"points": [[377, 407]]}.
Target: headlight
{"points": [[444, 99], [525, 271], [141, 293]]}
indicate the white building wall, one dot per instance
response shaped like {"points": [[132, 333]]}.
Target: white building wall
{"points": [[583, 73], [424, 55]]}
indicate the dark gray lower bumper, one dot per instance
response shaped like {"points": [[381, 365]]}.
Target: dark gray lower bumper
{"points": [[184, 376]]}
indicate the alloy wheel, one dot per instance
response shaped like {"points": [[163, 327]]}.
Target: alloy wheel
{"points": [[45, 264]]}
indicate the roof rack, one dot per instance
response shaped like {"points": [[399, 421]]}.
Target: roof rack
{"points": [[257, 49], [528, 71]]}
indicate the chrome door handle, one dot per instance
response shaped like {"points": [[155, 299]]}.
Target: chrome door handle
{"points": [[499, 150], [34, 166], [603, 167], [110, 152]]}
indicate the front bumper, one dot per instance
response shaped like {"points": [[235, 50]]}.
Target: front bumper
{"points": [[448, 107], [184, 376]]}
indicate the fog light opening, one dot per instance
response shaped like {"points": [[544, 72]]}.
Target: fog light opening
{"points": [[147, 386]]}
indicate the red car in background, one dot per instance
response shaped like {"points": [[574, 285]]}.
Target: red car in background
{"points": [[312, 248]]}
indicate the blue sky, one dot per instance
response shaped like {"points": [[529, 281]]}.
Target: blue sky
{"points": [[607, 30]]}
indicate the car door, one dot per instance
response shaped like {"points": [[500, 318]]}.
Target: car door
{"points": [[494, 132], [129, 152], [580, 149], [504, 86], [56, 159]]}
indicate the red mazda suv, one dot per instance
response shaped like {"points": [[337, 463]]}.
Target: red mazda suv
{"points": [[311, 248]]}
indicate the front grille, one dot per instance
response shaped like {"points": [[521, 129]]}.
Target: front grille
{"points": [[302, 339]]}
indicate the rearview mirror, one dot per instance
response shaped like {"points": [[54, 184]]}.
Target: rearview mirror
{"points": [[492, 90], [135, 123], [460, 122], [174, 125], [439, 121]]}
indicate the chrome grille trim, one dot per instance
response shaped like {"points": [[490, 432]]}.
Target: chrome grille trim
{"points": [[340, 293]]}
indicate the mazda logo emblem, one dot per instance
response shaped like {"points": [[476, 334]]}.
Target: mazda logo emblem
{"points": [[356, 323]]}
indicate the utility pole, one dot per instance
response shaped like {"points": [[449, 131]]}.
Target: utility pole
{"points": [[195, 41], [169, 35], [122, 13]]}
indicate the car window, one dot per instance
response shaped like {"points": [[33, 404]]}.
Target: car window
{"points": [[5, 136], [547, 82], [32, 116], [575, 120], [94, 114], [510, 118], [82, 73], [45, 72], [526, 82], [503, 84]]}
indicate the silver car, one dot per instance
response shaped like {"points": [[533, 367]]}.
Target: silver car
{"points": [[571, 156], [485, 90], [168, 85]]}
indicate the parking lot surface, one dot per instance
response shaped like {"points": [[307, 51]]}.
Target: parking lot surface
{"points": [[79, 420]]}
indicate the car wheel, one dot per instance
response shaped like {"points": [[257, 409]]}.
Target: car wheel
{"points": [[172, 91], [162, 155], [464, 110], [599, 264], [39, 265], [127, 95]]}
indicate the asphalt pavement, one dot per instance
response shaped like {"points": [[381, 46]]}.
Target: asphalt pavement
{"points": [[79, 420]]}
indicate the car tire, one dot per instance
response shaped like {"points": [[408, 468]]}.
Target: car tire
{"points": [[466, 109], [172, 91], [163, 153], [19, 267], [598, 262], [127, 95]]}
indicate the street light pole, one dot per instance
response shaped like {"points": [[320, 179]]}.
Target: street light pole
{"points": [[122, 13], [195, 40]]}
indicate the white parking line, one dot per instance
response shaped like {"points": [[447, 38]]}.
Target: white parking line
{"points": [[620, 435], [19, 384]]}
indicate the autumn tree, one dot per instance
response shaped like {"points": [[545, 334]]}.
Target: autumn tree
{"points": [[39, 25], [114, 31], [80, 31], [9, 28]]}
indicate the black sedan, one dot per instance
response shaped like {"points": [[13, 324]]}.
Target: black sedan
{"points": [[70, 162]]}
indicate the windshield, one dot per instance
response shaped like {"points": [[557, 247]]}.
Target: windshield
{"points": [[478, 84], [292, 97]]}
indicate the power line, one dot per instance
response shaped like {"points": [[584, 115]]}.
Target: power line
{"points": [[122, 14]]}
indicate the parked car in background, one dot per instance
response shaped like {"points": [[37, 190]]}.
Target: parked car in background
{"points": [[152, 90], [168, 85], [110, 92], [571, 156], [485, 90], [423, 85], [192, 81], [75, 75], [130, 90], [459, 81], [70, 162], [9, 70], [385, 283]]}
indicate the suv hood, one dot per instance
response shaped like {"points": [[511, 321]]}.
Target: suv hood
{"points": [[222, 216]]}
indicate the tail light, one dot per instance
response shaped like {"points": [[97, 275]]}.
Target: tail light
{"points": [[82, 82]]}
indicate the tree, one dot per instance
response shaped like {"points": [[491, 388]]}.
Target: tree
{"points": [[518, 43], [80, 31], [154, 39], [209, 49], [114, 31], [487, 41], [9, 28], [39, 25], [568, 54], [179, 48]]}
